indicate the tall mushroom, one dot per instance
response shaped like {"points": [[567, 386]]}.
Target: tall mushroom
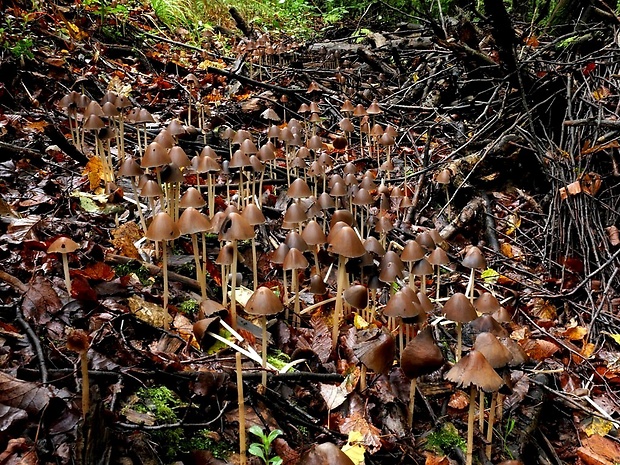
{"points": [[474, 371], [163, 229], [473, 260], [64, 245], [421, 357], [459, 309], [263, 302], [295, 261], [193, 222], [235, 228], [346, 244]]}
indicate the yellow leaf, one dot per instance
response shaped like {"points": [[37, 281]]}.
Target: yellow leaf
{"points": [[94, 171], [601, 93], [615, 337], [575, 332], [359, 322], [598, 426], [354, 452], [513, 222]]}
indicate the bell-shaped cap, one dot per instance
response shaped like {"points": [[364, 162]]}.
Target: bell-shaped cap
{"points": [[421, 268], [192, 221], [162, 228], [165, 139], [412, 252], [294, 260], [459, 308], [130, 167], [192, 198], [236, 228], [295, 241], [151, 189], [63, 245], [347, 107], [295, 213], [421, 356], [374, 246], [474, 369], [356, 296], [487, 303], [375, 348], [155, 155], [342, 215], [263, 302], [279, 254], [488, 324], [202, 328], [225, 255], [425, 240], [443, 177], [313, 234], [347, 243], [496, 354], [317, 285], [438, 257], [474, 259], [374, 108], [211, 308], [179, 157], [299, 189], [402, 305]]}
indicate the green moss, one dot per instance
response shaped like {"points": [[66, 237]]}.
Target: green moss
{"points": [[160, 402], [444, 440], [141, 272], [279, 359]]}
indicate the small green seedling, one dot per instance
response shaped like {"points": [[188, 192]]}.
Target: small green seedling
{"points": [[262, 449]]}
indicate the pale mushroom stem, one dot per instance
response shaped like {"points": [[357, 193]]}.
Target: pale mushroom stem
{"points": [[338, 307], [233, 289], [471, 285], [316, 260], [138, 206], [412, 277], [401, 336], [489, 448], [254, 264], [165, 269], [411, 402], [423, 284], [470, 425], [363, 378], [242, 456], [459, 341], [224, 286], [285, 285], [481, 410], [438, 284], [263, 321], [65, 267], [85, 383], [199, 273], [295, 289]]}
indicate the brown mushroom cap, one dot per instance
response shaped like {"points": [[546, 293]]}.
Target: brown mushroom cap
{"points": [[201, 329], [402, 305], [474, 259], [487, 303], [324, 454], [192, 198], [421, 268], [425, 240], [438, 257], [475, 369], [130, 167], [236, 228], [225, 255], [299, 189], [347, 243], [294, 260], [162, 228], [459, 308], [263, 302], [317, 285], [253, 214], [295, 241], [496, 354], [295, 213], [63, 245], [375, 348], [192, 221], [212, 308], [519, 356], [356, 296], [412, 252], [155, 155], [422, 356], [313, 233], [488, 324], [373, 245]]}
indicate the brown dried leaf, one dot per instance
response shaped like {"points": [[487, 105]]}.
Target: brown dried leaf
{"points": [[614, 235], [598, 450], [543, 309], [370, 433], [591, 183], [574, 332], [124, 237], [40, 301], [459, 400], [19, 452], [539, 349], [333, 395], [322, 341], [31, 397], [9, 416]]}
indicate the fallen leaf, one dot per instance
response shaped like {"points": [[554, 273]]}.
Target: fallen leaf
{"points": [[459, 400], [601, 93], [613, 235], [543, 309], [31, 397], [539, 349], [353, 449], [574, 332], [40, 301], [322, 340], [370, 434], [598, 425], [94, 171], [333, 395]]}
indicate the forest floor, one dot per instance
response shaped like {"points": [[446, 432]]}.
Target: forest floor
{"points": [[461, 146]]}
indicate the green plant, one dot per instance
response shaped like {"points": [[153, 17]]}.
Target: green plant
{"points": [[189, 307], [510, 426], [447, 438], [262, 449], [141, 272]]}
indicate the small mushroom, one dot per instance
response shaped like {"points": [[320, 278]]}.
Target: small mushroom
{"points": [[79, 341], [473, 260], [458, 308], [64, 245]]}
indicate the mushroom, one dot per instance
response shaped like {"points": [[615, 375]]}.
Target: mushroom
{"points": [[375, 348], [474, 371], [437, 258], [295, 261], [193, 222], [78, 341], [263, 302], [473, 260], [346, 244], [498, 356], [162, 229], [255, 217], [325, 454], [458, 308], [64, 245], [421, 357], [235, 228], [130, 168]]}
